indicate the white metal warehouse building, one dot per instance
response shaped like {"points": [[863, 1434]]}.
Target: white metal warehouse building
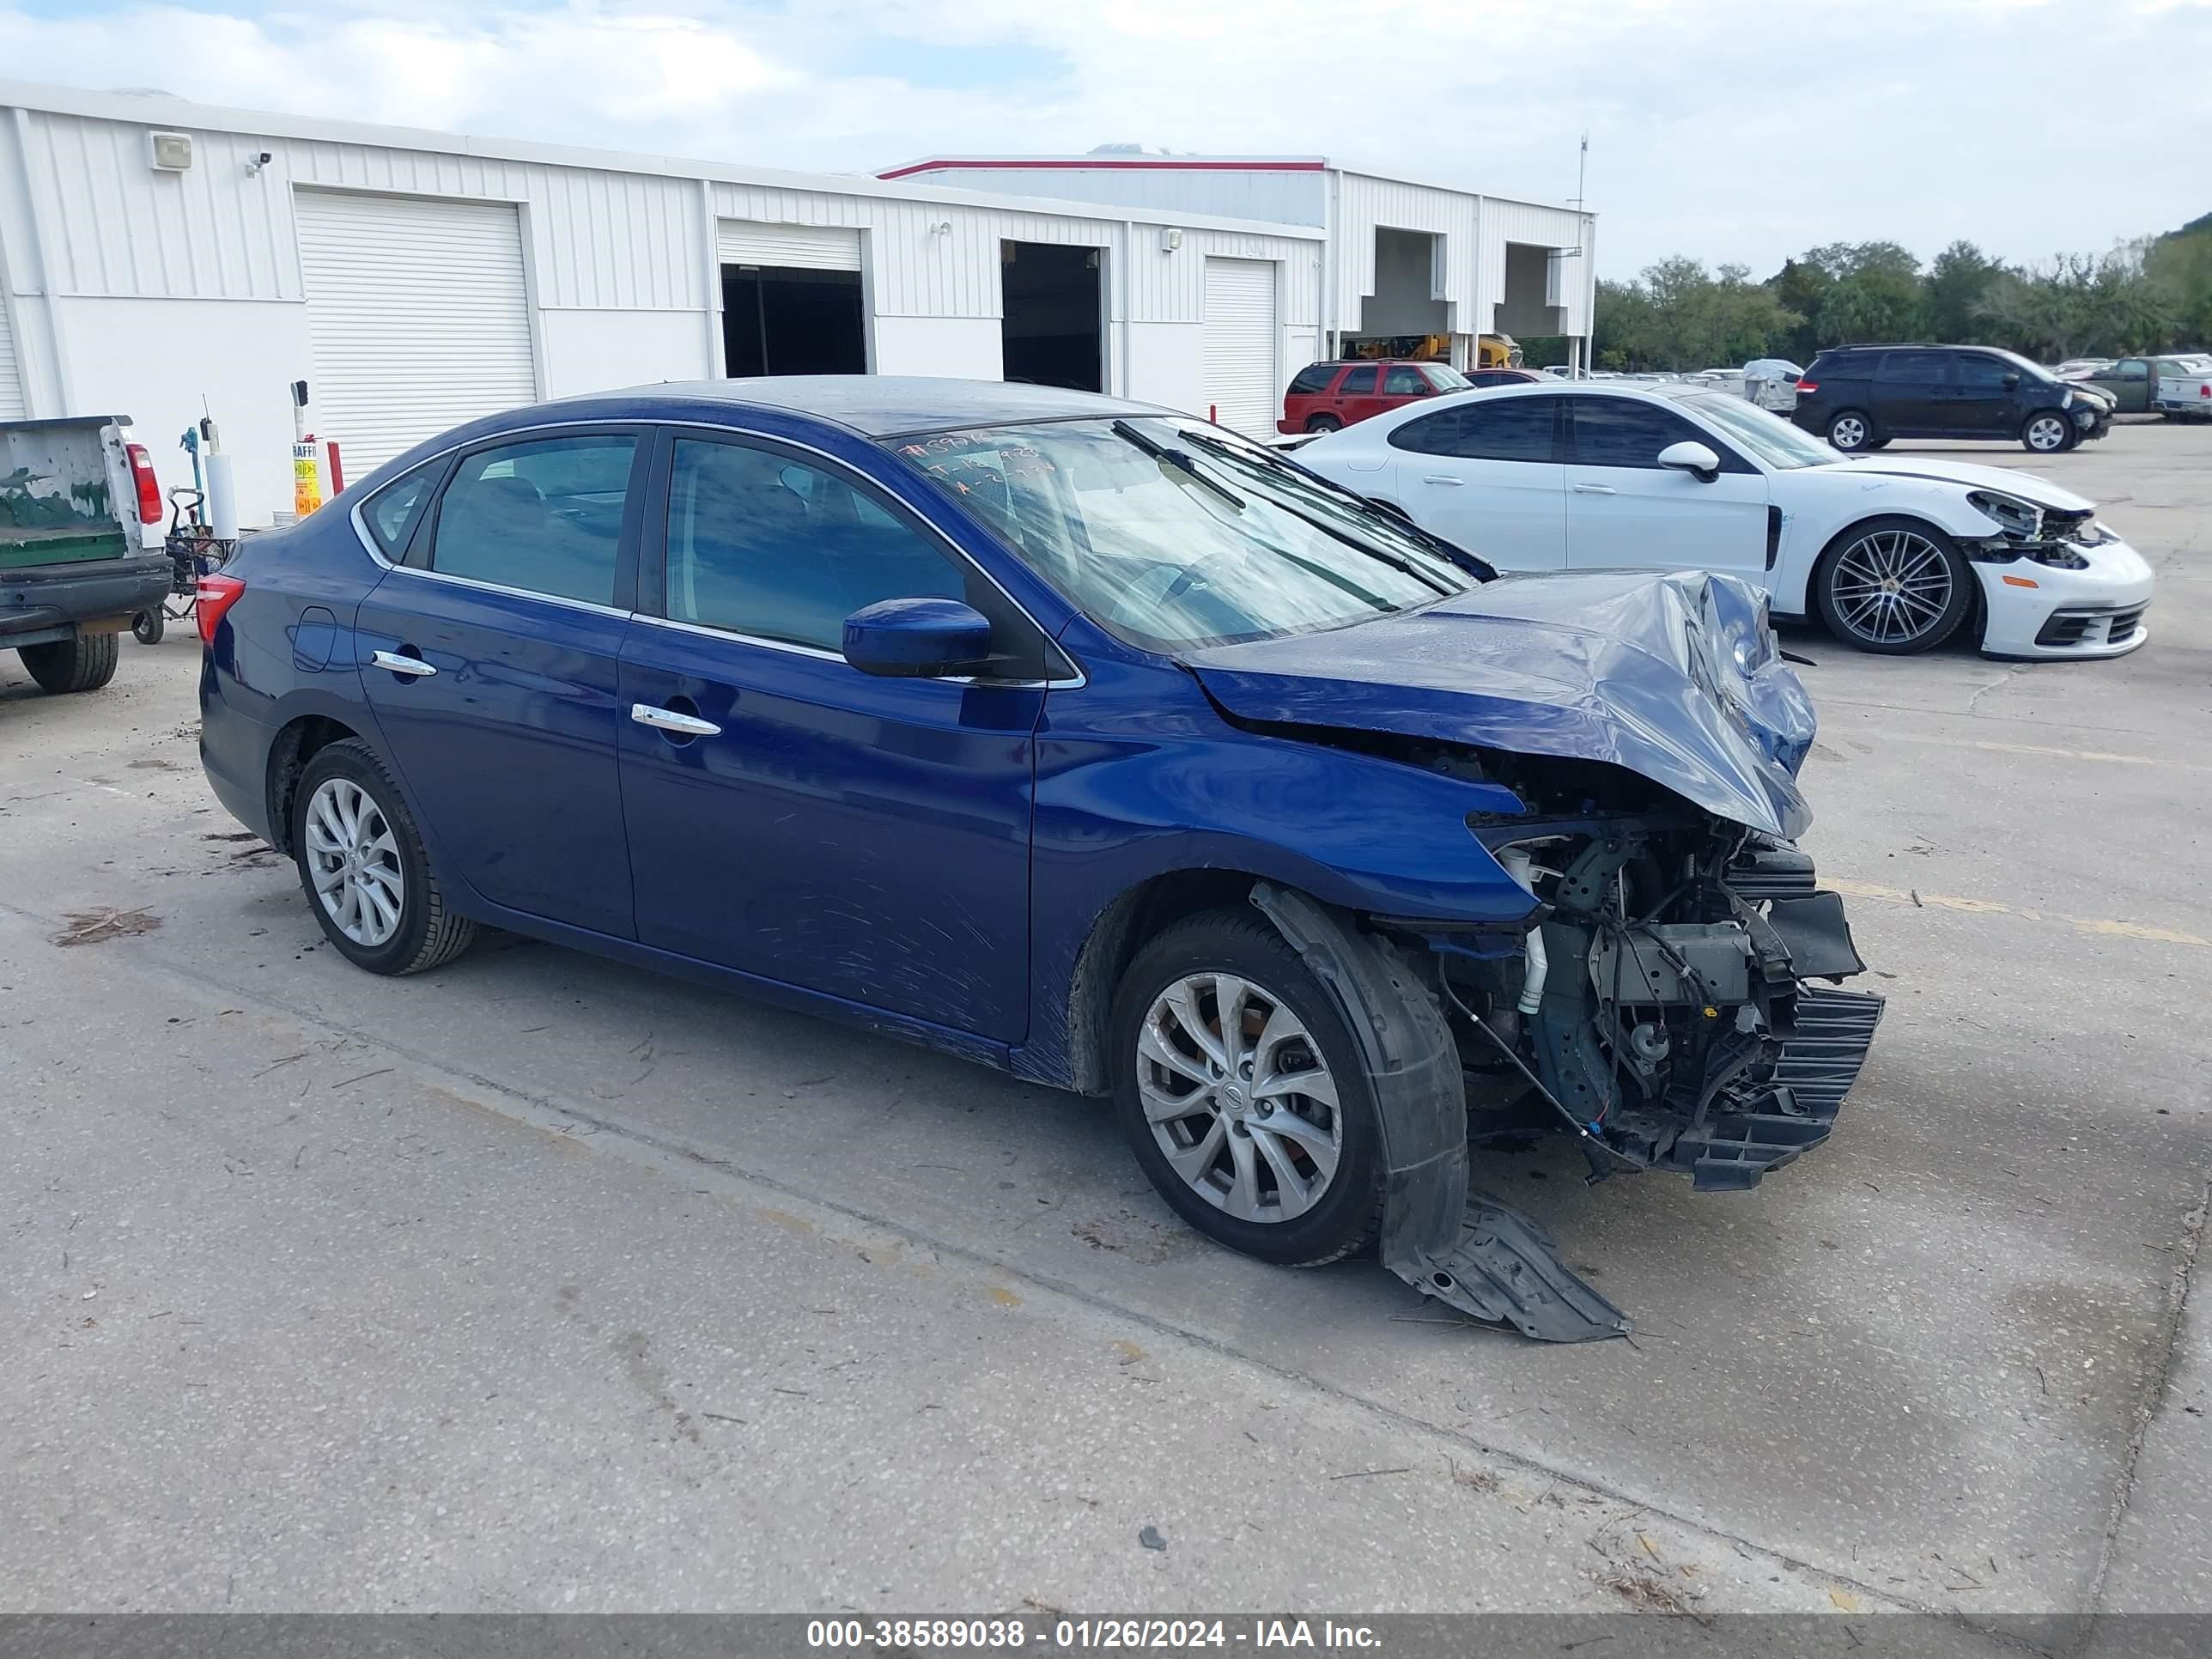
{"points": [[1404, 258], [160, 259]]}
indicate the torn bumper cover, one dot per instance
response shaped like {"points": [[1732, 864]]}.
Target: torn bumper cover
{"points": [[1470, 1253]]}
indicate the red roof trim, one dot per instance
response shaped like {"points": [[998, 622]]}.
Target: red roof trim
{"points": [[1103, 164]]}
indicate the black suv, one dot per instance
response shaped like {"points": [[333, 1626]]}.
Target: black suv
{"points": [[1861, 397]]}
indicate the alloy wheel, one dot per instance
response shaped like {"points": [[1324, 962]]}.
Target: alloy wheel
{"points": [[1238, 1098], [355, 859], [1848, 432], [1891, 586], [2045, 434]]}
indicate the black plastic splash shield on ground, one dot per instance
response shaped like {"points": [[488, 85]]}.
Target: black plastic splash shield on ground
{"points": [[1505, 1269]]}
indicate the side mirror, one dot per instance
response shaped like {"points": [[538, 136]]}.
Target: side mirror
{"points": [[917, 639], [1692, 458], [2011, 380]]}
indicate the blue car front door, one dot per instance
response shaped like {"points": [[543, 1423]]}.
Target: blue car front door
{"points": [[490, 656], [789, 815]]}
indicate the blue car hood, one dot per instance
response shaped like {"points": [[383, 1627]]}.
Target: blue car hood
{"points": [[1676, 677]]}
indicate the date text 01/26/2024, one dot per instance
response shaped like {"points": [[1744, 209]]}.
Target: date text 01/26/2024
{"points": [[913, 1634]]}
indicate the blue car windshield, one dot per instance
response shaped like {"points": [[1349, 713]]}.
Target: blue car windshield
{"points": [[1172, 534]]}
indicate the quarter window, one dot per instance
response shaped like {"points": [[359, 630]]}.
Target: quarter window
{"points": [[394, 510], [1485, 429], [1313, 380], [764, 545], [544, 516]]}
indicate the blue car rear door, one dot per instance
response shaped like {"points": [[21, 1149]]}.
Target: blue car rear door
{"points": [[860, 837], [490, 655]]}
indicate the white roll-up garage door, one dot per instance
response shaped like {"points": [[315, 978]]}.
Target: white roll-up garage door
{"points": [[11, 372], [792, 247], [1240, 343], [418, 317]]}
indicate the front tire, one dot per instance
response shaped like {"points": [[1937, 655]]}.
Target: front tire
{"points": [[2046, 432], [364, 869], [1850, 431], [83, 664], [1893, 586], [1243, 1095]]}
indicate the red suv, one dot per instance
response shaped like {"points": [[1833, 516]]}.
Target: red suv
{"points": [[1324, 397]]}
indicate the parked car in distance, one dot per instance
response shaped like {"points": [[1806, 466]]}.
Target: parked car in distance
{"points": [[1327, 397], [1894, 555], [1480, 378], [76, 498], [2178, 385], [1083, 739], [1862, 396]]}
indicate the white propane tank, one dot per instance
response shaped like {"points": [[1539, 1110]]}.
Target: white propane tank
{"points": [[222, 497]]}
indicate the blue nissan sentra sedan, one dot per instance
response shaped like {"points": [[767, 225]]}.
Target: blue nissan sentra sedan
{"points": [[1091, 741]]}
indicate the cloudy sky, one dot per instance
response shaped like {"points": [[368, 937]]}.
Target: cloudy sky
{"points": [[1733, 129]]}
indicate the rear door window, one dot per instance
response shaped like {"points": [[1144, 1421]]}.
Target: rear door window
{"points": [[544, 516], [1909, 369], [1485, 429], [1357, 382]]}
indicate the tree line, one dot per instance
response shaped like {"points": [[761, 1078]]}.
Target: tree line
{"points": [[2151, 294]]}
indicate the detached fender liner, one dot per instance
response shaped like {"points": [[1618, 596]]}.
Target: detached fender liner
{"points": [[1467, 1251]]}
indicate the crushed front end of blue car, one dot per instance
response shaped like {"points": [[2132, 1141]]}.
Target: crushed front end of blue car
{"points": [[1672, 998]]}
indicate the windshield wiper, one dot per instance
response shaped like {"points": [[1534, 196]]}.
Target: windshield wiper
{"points": [[1174, 457], [1404, 566]]}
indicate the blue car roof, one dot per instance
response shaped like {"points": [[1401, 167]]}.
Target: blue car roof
{"points": [[885, 405]]}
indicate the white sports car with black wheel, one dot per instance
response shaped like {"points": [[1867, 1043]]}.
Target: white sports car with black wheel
{"points": [[1895, 554]]}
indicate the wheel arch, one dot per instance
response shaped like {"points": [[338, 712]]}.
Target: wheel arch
{"points": [[299, 741], [1137, 915]]}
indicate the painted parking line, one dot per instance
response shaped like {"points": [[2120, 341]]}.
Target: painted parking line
{"points": [[2099, 927], [2044, 750]]}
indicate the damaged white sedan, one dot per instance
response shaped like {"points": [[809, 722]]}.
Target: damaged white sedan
{"points": [[1895, 554]]}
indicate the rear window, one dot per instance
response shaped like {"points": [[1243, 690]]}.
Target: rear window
{"points": [[1313, 380]]}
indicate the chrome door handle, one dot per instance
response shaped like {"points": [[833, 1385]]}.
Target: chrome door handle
{"points": [[1438, 477], [667, 719], [1595, 489], [413, 667]]}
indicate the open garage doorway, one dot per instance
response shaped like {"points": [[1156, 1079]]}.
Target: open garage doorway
{"points": [[782, 320], [1054, 328]]}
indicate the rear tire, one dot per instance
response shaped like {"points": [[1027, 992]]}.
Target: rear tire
{"points": [[2046, 432], [83, 664], [1305, 1165], [1323, 423], [351, 829], [1850, 431]]}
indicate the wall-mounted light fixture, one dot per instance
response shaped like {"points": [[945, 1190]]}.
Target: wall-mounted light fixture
{"points": [[1170, 239]]}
